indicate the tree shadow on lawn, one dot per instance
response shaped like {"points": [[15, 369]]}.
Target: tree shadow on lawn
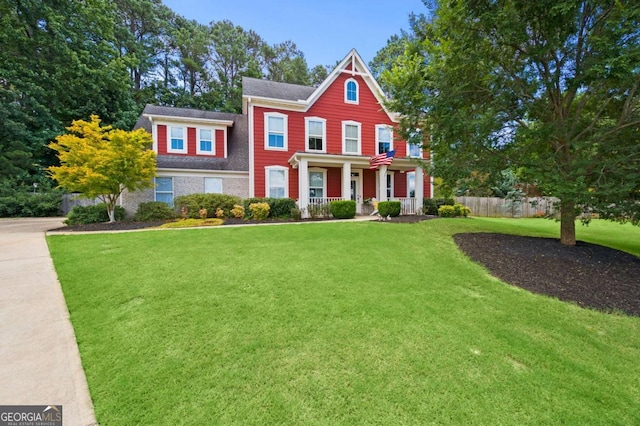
{"points": [[590, 275]]}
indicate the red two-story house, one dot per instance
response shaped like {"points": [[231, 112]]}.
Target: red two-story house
{"points": [[310, 144]]}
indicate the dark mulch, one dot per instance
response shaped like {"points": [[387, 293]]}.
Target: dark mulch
{"points": [[590, 275]]}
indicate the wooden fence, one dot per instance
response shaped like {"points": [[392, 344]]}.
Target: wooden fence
{"points": [[500, 207]]}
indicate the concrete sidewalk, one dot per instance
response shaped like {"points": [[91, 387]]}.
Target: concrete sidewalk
{"points": [[39, 358]]}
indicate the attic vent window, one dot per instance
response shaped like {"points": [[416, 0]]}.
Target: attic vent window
{"points": [[351, 91]]}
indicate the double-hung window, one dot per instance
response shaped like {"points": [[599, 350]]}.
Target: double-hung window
{"points": [[350, 137], [384, 139], [275, 129], [177, 142], [276, 180], [164, 190], [351, 91], [415, 151], [206, 143], [316, 129]]}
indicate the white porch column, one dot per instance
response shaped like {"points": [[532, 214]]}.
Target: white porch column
{"points": [[382, 183], [346, 181], [419, 188], [303, 187]]}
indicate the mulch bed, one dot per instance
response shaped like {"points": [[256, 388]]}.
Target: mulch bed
{"points": [[590, 275]]}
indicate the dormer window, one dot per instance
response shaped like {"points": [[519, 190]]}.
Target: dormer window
{"points": [[351, 91]]}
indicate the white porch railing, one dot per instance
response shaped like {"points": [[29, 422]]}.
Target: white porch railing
{"points": [[321, 206], [408, 206]]}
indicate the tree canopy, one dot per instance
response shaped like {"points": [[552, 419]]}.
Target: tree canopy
{"points": [[101, 162], [62, 60], [550, 87]]}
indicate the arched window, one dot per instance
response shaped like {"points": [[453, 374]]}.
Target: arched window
{"points": [[351, 91]]}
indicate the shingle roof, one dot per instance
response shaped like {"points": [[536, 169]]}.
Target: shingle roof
{"points": [[237, 142], [275, 90]]}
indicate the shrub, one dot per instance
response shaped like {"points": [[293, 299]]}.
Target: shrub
{"points": [[259, 211], [220, 213], [455, 210], [203, 213], [28, 204], [190, 223], [278, 207], [193, 203], [237, 211], [296, 213], [345, 209], [319, 210], [430, 206], [82, 215], [461, 210], [281, 207], [389, 208], [154, 211], [446, 211]]}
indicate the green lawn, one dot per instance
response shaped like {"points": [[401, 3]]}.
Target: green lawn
{"points": [[338, 324]]}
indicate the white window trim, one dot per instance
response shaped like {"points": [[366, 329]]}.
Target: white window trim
{"points": [[221, 185], [185, 140], [266, 131], [383, 126], [391, 177], [324, 180], [344, 137], [347, 101], [409, 145], [409, 174], [267, 185], [324, 133], [213, 141], [155, 188]]}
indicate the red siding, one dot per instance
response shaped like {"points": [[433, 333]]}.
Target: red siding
{"points": [[400, 185], [330, 106], [220, 143], [191, 142], [369, 183], [334, 182], [162, 139]]}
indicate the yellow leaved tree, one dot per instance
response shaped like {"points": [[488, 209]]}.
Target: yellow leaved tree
{"points": [[101, 162]]}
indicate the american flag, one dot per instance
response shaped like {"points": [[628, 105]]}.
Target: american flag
{"points": [[383, 159]]}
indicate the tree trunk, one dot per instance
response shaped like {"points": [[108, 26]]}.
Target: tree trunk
{"points": [[112, 213], [568, 223]]}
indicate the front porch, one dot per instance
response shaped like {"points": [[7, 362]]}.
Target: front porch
{"points": [[322, 178]]}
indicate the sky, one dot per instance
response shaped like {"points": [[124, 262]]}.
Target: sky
{"points": [[325, 30]]}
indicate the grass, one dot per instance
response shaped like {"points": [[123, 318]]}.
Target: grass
{"points": [[338, 323]]}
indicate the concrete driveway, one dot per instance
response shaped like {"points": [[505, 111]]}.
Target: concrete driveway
{"points": [[39, 358]]}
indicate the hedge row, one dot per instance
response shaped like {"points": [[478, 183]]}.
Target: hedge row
{"points": [[24, 204]]}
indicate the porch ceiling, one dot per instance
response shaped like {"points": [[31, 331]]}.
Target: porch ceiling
{"points": [[338, 160]]}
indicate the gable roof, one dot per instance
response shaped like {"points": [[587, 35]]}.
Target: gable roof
{"points": [[303, 97]]}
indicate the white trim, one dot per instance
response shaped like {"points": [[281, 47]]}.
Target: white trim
{"points": [[285, 131], [267, 185], [409, 175], [213, 141], [252, 173], [185, 140], [187, 120], [346, 83], [155, 189], [378, 128], [199, 173], [344, 136], [324, 181], [388, 173], [213, 177], [323, 121]]}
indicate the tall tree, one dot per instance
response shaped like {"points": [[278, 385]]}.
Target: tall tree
{"points": [[100, 162], [57, 62], [286, 63], [552, 86]]}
